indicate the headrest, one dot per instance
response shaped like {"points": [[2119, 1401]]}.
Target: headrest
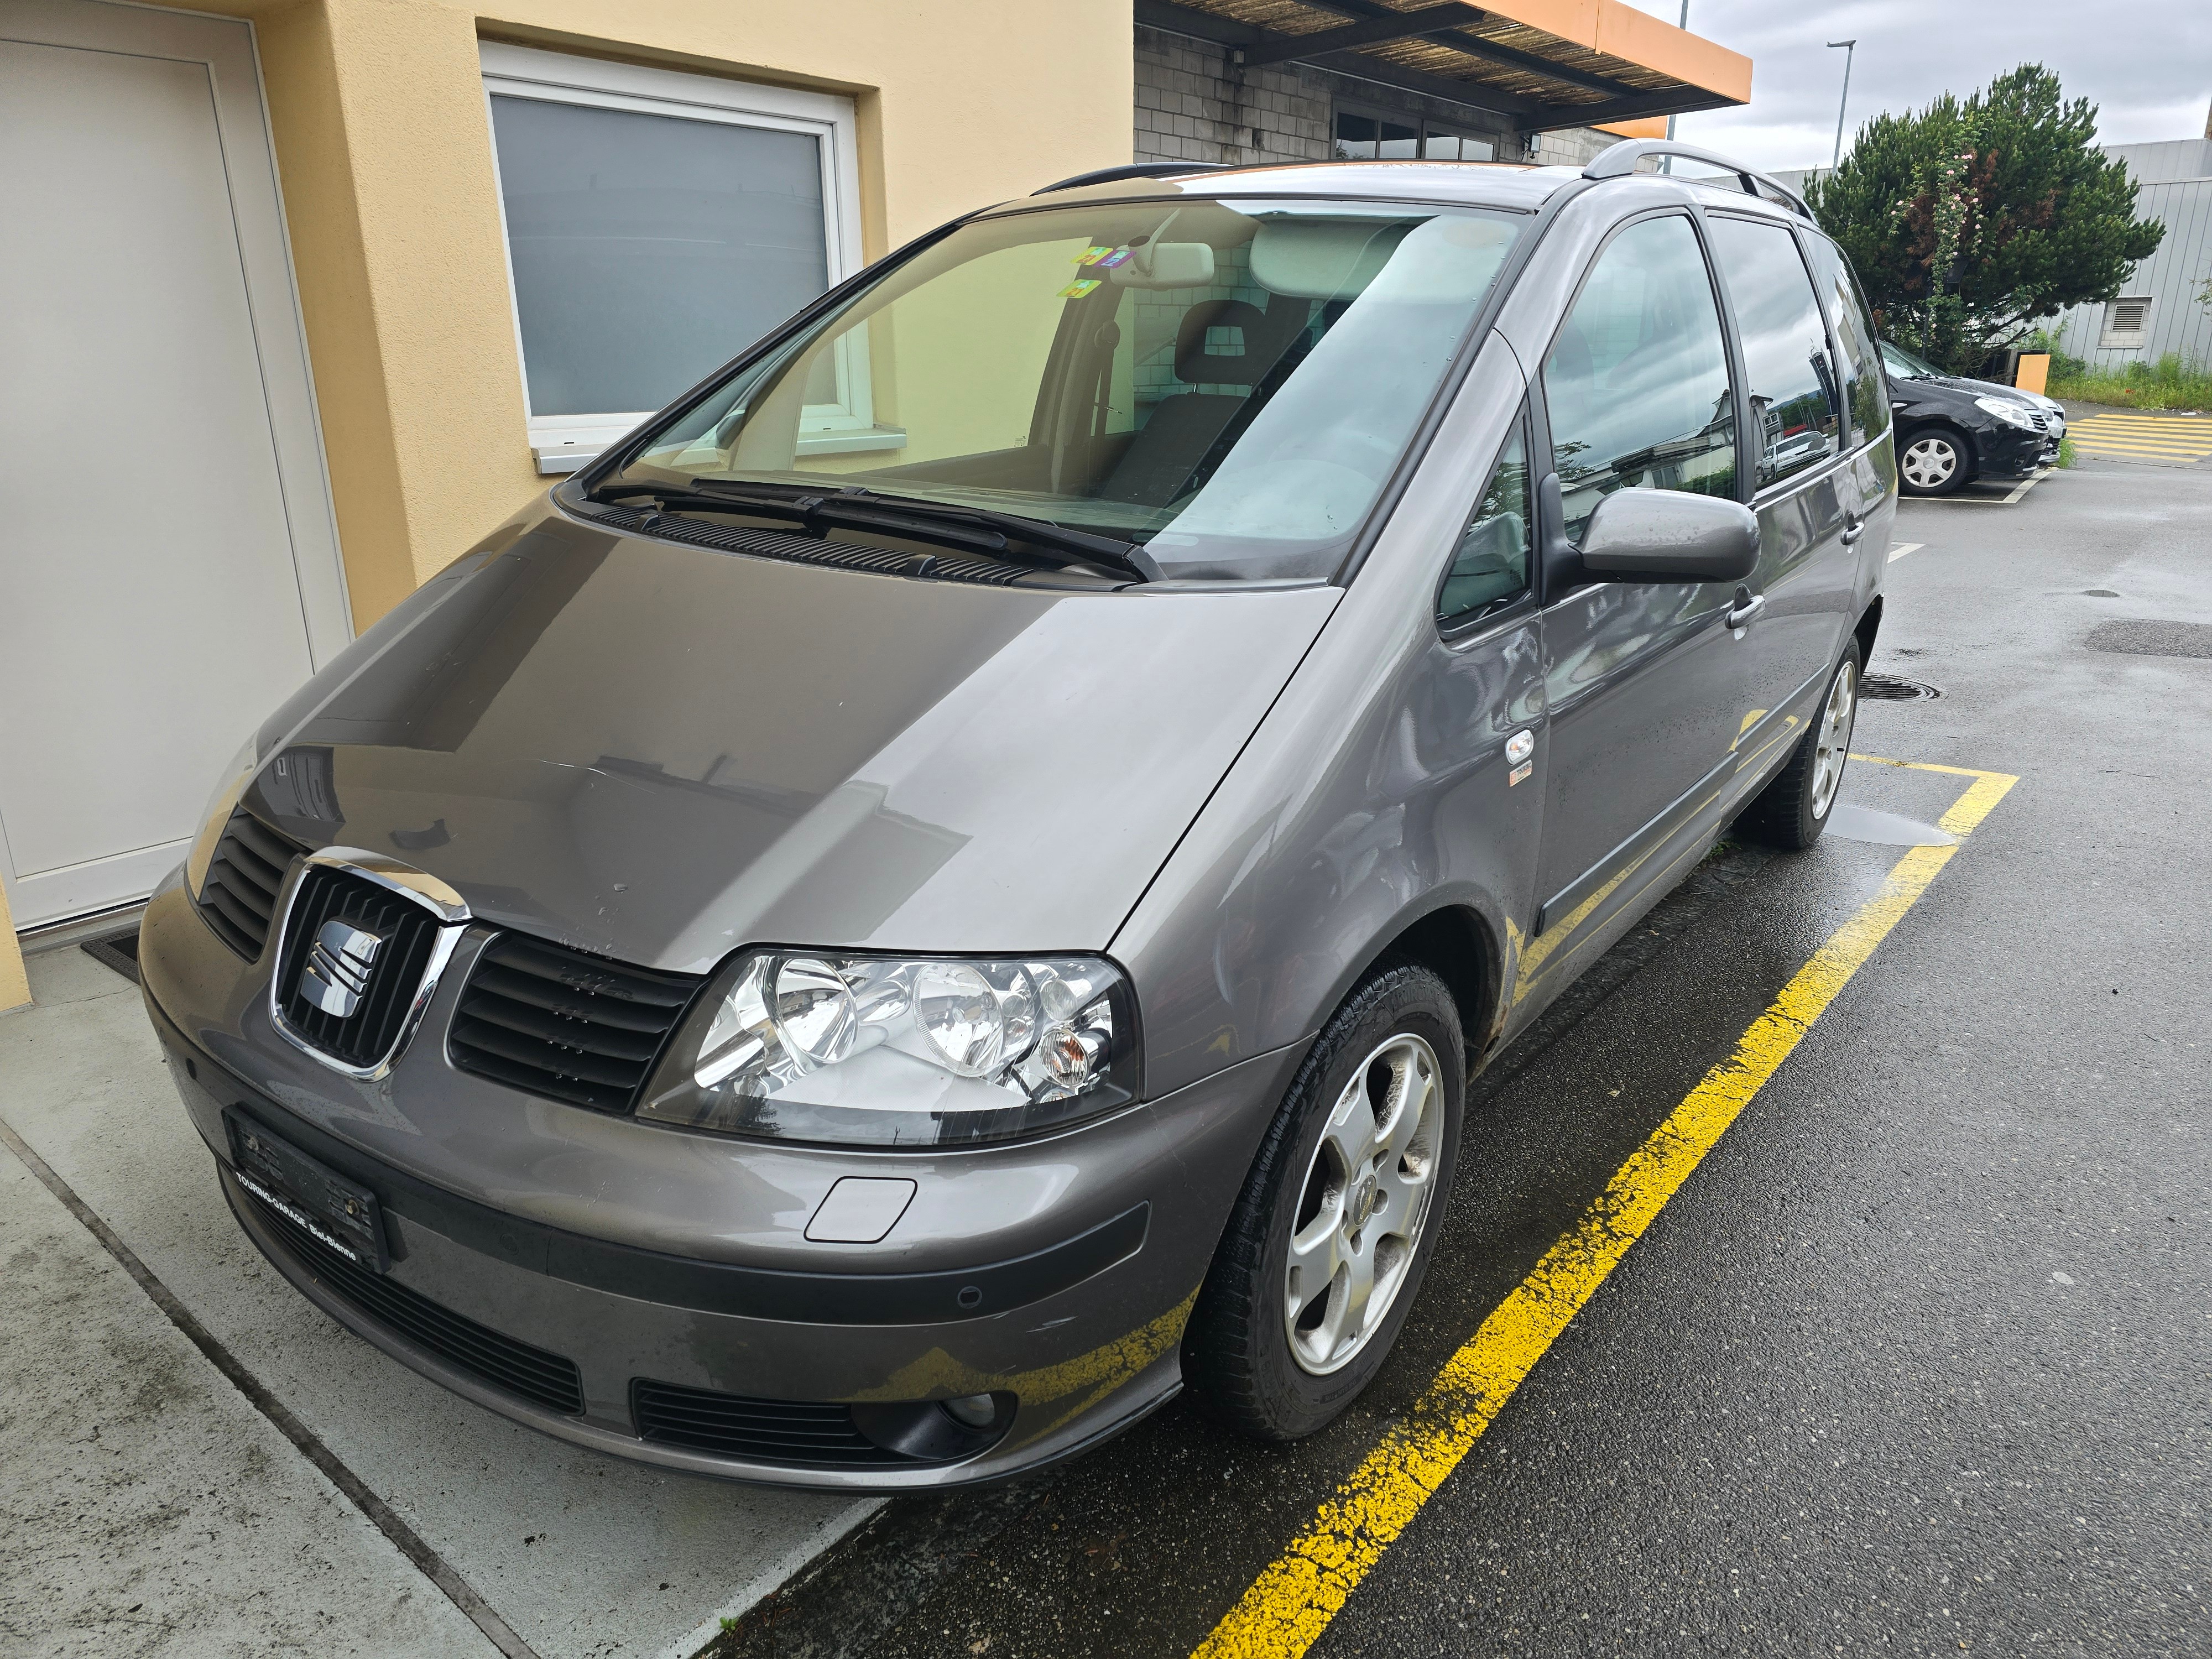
{"points": [[1220, 343]]}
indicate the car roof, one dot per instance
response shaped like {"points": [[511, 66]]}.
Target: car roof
{"points": [[1511, 184]]}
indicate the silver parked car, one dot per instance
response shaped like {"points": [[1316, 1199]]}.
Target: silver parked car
{"points": [[951, 886]]}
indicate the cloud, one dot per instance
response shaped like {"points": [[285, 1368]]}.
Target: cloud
{"points": [[2150, 78]]}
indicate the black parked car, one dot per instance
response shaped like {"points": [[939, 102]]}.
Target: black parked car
{"points": [[1951, 430]]}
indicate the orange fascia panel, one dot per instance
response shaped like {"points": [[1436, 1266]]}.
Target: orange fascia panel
{"points": [[1649, 127], [1619, 30]]}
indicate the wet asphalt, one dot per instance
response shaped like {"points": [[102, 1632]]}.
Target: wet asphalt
{"points": [[1920, 1359]]}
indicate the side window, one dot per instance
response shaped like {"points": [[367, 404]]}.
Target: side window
{"points": [[1864, 394], [1794, 395], [1637, 384], [1491, 564]]}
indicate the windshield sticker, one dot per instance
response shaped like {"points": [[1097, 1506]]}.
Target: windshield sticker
{"points": [[1077, 289], [1120, 256], [1092, 255]]}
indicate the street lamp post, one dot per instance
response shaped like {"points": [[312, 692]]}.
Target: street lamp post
{"points": [[1684, 24], [1851, 51]]}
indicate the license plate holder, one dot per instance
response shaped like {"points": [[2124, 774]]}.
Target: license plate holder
{"points": [[343, 1214]]}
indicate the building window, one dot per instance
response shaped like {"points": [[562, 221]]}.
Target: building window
{"points": [[2127, 325], [657, 224], [1371, 135]]}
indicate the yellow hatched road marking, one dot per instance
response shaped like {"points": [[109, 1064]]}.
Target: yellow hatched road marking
{"points": [[1292, 1603]]}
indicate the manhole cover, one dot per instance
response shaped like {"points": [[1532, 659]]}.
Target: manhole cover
{"points": [[2143, 637], [1888, 688]]}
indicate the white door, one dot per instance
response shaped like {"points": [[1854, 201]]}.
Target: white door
{"points": [[168, 564]]}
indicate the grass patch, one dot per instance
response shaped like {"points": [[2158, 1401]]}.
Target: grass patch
{"points": [[2169, 383], [2066, 450]]}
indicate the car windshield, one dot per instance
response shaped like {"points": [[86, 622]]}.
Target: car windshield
{"points": [[1898, 361], [1227, 384]]}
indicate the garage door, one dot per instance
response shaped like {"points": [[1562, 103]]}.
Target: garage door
{"points": [[168, 567]]}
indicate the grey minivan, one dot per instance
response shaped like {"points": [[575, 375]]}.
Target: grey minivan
{"points": [[951, 885]]}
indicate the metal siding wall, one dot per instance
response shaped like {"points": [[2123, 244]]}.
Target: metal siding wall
{"points": [[2173, 277]]}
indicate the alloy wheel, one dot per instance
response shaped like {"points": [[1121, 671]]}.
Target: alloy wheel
{"points": [[1832, 739], [1366, 1196], [1929, 463]]}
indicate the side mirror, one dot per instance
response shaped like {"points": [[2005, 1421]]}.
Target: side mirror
{"points": [[1669, 536]]}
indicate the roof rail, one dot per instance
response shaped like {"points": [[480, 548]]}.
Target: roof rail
{"points": [[1141, 170], [1619, 161]]}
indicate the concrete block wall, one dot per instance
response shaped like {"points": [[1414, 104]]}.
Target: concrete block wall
{"points": [[1189, 110], [1191, 106]]}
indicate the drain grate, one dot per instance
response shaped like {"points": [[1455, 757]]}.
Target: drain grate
{"points": [[2144, 637], [1888, 688]]}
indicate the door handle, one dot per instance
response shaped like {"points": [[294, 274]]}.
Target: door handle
{"points": [[1853, 529], [1746, 608]]}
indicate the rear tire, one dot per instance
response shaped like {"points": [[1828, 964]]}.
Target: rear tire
{"points": [[1338, 1217], [1933, 461], [1793, 810]]}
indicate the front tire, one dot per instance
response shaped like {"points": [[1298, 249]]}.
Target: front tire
{"points": [[1933, 462], [1793, 810], [1338, 1217]]}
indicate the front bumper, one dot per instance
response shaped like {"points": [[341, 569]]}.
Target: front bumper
{"points": [[1066, 1299], [2011, 452]]}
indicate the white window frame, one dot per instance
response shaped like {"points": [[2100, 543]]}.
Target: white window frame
{"points": [[2110, 338], [562, 443]]}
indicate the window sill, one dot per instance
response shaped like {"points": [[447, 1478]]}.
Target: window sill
{"points": [[857, 442], [555, 459]]}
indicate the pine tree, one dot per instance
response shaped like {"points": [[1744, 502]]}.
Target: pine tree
{"points": [[1970, 221]]}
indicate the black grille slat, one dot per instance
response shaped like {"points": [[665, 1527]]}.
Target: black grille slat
{"points": [[559, 1000], [409, 933], [239, 896], [611, 1044], [563, 1060], [558, 1023], [506, 1362], [765, 1431]]}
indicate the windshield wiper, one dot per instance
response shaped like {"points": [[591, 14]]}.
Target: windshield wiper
{"points": [[981, 528]]}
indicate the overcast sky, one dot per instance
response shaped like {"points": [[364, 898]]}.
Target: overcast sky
{"points": [[2146, 65]]}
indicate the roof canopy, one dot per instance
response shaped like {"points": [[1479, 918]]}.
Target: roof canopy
{"points": [[1542, 62]]}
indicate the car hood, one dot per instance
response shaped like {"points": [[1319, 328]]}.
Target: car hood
{"points": [[1984, 388], [659, 753]]}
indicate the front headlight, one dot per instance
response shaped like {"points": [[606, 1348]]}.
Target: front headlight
{"points": [[220, 807], [903, 1051], [2011, 413]]}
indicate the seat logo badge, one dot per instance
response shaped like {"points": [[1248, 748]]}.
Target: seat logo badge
{"points": [[339, 964]]}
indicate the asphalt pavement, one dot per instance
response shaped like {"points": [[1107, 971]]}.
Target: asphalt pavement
{"points": [[1918, 1359]]}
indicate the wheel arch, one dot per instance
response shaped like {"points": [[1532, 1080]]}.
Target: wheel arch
{"points": [[1869, 624], [1456, 943]]}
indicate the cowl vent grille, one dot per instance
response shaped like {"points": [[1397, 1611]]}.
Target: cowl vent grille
{"points": [[555, 1022], [807, 549], [239, 897]]}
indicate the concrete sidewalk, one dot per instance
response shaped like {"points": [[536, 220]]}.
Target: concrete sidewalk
{"points": [[149, 1506]]}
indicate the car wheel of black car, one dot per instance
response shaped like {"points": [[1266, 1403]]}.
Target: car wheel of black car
{"points": [[1932, 461], [1339, 1216], [1793, 810]]}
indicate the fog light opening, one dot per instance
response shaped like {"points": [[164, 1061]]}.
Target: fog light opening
{"points": [[938, 1431], [972, 1411]]}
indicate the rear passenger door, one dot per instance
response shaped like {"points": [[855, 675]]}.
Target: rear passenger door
{"points": [[1809, 511], [1870, 484], [1640, 676]]}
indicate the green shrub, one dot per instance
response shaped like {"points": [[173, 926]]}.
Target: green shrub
{"points": [[2172, 382]]}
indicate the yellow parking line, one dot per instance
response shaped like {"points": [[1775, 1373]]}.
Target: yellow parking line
{"points": [[1291, 1603]]}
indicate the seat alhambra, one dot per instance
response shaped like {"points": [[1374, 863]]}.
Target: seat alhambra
{"points": [[951, 885]]}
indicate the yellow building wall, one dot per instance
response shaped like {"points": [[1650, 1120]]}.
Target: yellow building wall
{"points": [[385, 151]]}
